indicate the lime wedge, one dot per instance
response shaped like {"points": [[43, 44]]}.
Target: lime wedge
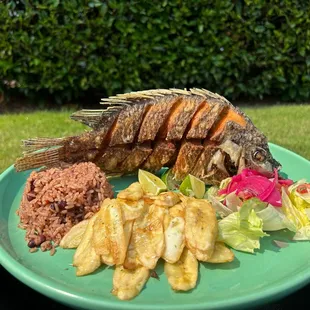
{"points": [[192, 186], [151, 183], [168, 179]]}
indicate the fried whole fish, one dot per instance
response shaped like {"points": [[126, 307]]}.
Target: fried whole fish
{"points": [[192, 131]]}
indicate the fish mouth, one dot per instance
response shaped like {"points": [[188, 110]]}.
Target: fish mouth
{"points": [[270, 168]]}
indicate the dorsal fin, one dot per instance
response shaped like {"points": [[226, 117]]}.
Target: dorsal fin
{"points": [[114, 104], [94, 118]]}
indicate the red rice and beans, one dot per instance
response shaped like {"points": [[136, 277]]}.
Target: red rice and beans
{"points": [[56, 199]]}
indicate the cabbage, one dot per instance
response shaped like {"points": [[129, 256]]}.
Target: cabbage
{"points": [[250, 183], [242, 230]]}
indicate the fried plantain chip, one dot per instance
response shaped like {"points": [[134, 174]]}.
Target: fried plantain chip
{"points": [[73, 237], [167, 199], [133, 192], [221, 254], [131, 209], [127, 284], [201, 227], [85, 258], [131, 260], [183, 275], [149, 236], [174, 226], [109, 237], [115, 232], [128, 232], [100, 236]]}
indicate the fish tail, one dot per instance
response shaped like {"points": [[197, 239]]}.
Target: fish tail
{"points": [[32, 145], [48, 158]]}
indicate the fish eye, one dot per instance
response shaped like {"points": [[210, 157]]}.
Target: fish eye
{"points": [[259, 155]]}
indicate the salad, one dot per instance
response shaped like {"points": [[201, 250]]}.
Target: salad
{"points": [[249, 205]]}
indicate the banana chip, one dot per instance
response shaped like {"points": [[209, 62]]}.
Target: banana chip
{"points": [[136, 229], [100, 236], [149, 236], [109, 237], [73, 237], [167, 199], [201, 228], [127, 284], [116, 235], [183, 275], [174, 226], [221, 254], [131, 209], [85, 258], [133, 192], [131, 260]]}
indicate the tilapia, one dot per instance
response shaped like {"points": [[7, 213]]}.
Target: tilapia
{"points": [[191, 131]]}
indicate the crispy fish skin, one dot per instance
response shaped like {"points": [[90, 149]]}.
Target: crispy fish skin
{"points": [[155, 128], [127, 125], [162, 154], [135, 159], [206, 116], [180, 117], [112, 157], [187, 157], [155, 117]]}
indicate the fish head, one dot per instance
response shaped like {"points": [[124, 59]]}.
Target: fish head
{"points": [[259, 158]]}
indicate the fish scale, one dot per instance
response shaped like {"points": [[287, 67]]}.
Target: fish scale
{"points": [[192, 131]]}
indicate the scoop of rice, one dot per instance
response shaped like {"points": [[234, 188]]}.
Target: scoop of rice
{"points": [[56, 199]]}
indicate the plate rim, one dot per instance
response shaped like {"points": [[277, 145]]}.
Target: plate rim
{"points": [[68, 297]]}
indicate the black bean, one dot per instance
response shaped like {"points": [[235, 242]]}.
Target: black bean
{"points": [[52, 206], [32, 185], [62, 204], [42, 239], [31, 244], [30, 196]]}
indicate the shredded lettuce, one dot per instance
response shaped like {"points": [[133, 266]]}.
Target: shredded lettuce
{"points": [[242, 230]]}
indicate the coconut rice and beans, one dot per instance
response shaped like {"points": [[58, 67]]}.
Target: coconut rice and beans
{"points": [[56, 199]]}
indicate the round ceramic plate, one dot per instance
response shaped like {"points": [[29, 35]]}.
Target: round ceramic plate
{"points": [[250, 280]]}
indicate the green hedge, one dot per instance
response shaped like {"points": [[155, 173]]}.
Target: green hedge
{"points": [[70, 48]]}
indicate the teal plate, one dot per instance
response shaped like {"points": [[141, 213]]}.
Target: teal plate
{"points": [[250, 280]]}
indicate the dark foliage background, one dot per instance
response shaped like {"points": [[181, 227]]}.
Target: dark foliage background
{"points": [[73, 49]]}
